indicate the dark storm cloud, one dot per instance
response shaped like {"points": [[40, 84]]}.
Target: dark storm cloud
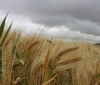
{"points": [[77, 15]]}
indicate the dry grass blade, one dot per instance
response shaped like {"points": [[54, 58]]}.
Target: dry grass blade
{"points": [[60, 70], [49, 81], [49, 41], [32, 45], [65, 51], [98, 83], [36, 66], [46, 60], [45, 65], [18, 80], [70, 61], [53, 59], [7, 42]]}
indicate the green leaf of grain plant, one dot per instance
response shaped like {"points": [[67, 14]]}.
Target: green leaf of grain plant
{"points": [[0, 63], [6, 34], [2, 44], [2, 25], [0, 54], [1, 31]]}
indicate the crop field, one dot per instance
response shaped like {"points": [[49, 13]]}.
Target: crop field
{"points": [[37, 60]]}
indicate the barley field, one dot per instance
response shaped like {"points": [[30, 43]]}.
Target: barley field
{"points": [[37, 60]]}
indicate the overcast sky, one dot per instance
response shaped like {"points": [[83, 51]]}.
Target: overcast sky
{"points": [[79, 19]]}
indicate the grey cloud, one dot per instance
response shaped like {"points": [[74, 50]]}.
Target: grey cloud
{"points": [[78, 15], [84, 26]]}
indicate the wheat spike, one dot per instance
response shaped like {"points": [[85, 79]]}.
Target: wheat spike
{"points": [[65, 51], [32, 45], [70, 61]]}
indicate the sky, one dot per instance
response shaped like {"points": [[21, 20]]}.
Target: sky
{"points": [[67, 19]]}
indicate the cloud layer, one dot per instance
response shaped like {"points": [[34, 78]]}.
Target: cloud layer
{"points": [[75, 15]]}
